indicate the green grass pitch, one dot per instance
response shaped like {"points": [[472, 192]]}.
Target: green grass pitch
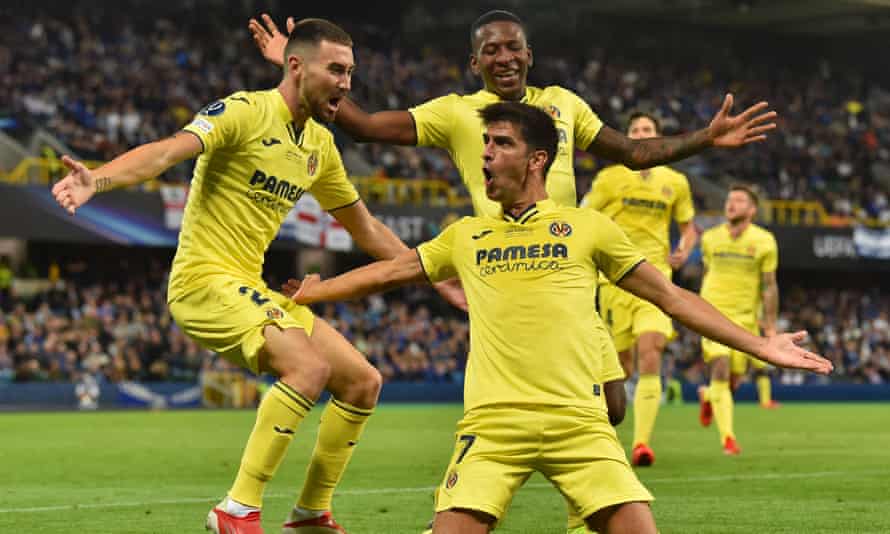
{"points": [[805, 468]]}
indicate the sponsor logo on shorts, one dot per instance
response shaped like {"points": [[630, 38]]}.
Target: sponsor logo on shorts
{"points": [[451, 481]]}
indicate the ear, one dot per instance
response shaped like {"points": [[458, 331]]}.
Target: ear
{"points": [[531, 57], [474, 65], [294, 65], [538, 160]]}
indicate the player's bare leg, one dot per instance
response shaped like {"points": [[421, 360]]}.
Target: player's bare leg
{"points": [[647, 397], [459, 521], [355, 386], [302, 373], [626, 518], [720, 393]]}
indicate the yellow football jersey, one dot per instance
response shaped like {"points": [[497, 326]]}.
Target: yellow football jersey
{"points": [[643, 206], [535, 335], [255, 165], [733, 280], [452, 122]]}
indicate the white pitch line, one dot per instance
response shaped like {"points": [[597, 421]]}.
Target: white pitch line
{"points": [[424, 489]]}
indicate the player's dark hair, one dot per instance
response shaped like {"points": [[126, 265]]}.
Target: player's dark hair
{"points": [[535, 126], [748, 189], [497, 15], [644, 115], [313, 32]]}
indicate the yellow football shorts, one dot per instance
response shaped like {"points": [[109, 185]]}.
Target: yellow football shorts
{"points": [[738, 361], [627, 316], [498, 448], [227, 315]]}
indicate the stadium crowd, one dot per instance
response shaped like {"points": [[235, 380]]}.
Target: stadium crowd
{"points": [[102, 92], [121, 330]]}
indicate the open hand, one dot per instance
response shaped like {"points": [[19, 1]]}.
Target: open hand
{"points": [[783, 350], [78, 186], [750, 126], [268, 39]]}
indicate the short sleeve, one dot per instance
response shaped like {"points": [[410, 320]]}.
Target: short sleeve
{"points": [[333, 189], [597, 197], [612, 369], [221, 124], [436, 255], [433, 121], [587, 123], [614, 254], [684, 210], [771, 256]]}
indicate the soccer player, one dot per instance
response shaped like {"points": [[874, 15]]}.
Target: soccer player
{"points": [[643, 203], [258, 152], [533, 392], [740, 280], [501, 56]]}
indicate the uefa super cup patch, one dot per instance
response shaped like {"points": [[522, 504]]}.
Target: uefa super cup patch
{"points": [[215, 108]]}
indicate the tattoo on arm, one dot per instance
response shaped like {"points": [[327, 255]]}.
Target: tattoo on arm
{"points": [[103, 184], [646, 153]]}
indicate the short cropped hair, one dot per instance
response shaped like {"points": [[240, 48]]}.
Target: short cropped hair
{"points": [[644, 115], [497, 15], [749, 189], [313, 32], [535, 126]]}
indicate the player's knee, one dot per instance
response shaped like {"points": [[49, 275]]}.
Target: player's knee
{"points": [[366, 386], [308, 370]]}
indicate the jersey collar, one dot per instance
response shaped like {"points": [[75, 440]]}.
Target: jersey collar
{"points": [[492, 97], [283, 113], [530, 213]]}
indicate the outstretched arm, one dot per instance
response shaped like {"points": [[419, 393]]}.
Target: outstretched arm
{"points": [[648, 283], [393, 127], [132, 167], [374, 278], [379, 241], [725, 131]]}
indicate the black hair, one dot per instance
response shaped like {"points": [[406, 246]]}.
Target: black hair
{"points": [[535, 125]]}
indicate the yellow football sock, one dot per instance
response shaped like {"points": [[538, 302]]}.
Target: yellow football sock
{"points": [[764, 390], [722, 403], [277, 418], [706, 393], [646, 402], [339, 431]]}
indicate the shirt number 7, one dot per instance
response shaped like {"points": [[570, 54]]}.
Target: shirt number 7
{"points": [[468, 440]]}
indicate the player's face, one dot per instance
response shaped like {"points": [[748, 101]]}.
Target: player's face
{"points": [[327, 79], [739, 207], [505, 162], [642, 128], [502, 57]]}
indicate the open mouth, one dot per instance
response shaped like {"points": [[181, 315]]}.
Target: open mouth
{"points": [[334, 103], [507, 76], [488, 176]]}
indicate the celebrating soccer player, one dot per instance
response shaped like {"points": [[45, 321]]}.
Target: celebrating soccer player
{"points": [[643, 203], [258, 153], [501, 56], [740, 280], [533, 393]]}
